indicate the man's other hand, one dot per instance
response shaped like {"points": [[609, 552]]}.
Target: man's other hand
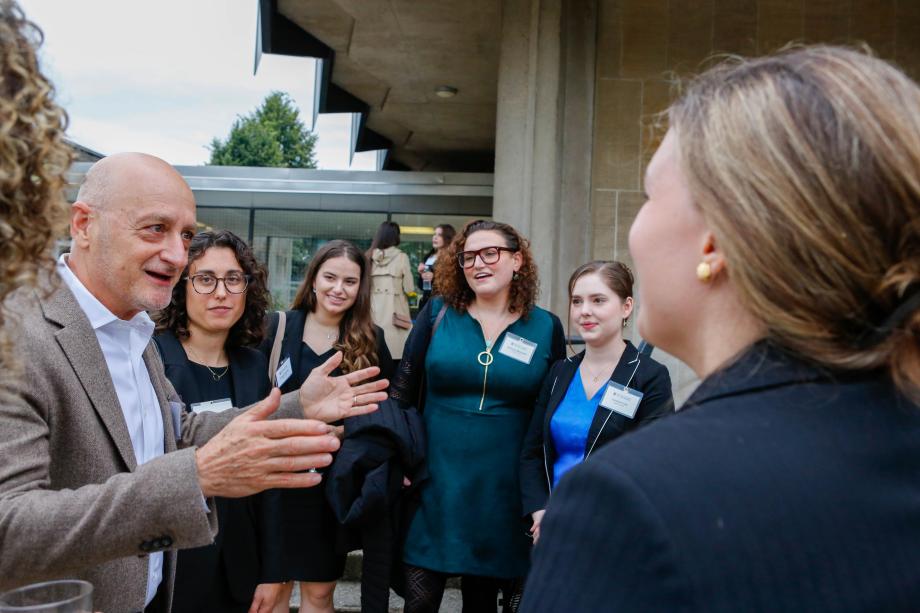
{"points": [[253, 453], [330, 399]]}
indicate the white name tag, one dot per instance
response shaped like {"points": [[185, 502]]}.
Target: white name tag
{"points": [[214, 406], [518, 348], [621, 399], [176, 409], [283, 373]]}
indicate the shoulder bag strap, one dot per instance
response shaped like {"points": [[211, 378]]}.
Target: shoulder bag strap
{"points": [[275, 355]]}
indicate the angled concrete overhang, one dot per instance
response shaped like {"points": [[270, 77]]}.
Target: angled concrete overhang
{"points": [[384, 60]]}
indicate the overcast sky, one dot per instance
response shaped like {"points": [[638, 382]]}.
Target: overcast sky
{"points": [[165, 77]]}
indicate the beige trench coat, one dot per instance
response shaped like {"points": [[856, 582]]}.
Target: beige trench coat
{"points": [[391, 280]]}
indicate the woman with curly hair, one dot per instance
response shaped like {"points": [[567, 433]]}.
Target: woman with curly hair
{"points": [[331, 312], [480, 351], [207, 337], [33, 157]]}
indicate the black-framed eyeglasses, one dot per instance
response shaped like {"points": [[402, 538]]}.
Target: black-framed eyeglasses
{"points": [[234, 283], [488, 255]]}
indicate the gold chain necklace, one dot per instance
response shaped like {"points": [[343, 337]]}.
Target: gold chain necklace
{"points": [[591, 374], [330, 336], [214, 375]]}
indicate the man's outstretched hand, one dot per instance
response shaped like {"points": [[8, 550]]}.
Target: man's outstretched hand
{"points": [[327, 398], [253, 453]]}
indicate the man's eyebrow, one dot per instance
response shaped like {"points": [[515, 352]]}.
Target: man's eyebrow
{"points": [[153, 218]]}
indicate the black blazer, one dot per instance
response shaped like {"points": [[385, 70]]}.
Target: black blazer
{"points": [[247, 548], [295, 320], [538, 455], [779, 487]]}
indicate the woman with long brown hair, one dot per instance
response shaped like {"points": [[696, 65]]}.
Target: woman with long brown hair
{"points": [[480, 351], [331, 312]]}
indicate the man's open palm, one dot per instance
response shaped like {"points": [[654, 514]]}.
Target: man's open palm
{"points": [[330, 399]]}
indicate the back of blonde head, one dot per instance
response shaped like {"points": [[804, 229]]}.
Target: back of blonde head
{"points": [[806, 164]]}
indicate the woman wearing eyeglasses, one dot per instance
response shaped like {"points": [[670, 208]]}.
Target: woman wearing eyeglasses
{"points": [[481, 348], [206, 337]]}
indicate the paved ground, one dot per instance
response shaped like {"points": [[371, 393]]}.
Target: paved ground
{"points": [[348, 599]]}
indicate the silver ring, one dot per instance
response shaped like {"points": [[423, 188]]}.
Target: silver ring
{"points": [[354, 402]]}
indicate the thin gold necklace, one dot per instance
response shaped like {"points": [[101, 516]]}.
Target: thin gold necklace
{"points": [[214, 375], [330, 336]]}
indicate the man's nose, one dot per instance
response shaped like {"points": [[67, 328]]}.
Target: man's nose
{"points": [[175, 252]]}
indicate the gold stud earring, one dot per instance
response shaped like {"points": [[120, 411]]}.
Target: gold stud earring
{"points": [[704, 272]]}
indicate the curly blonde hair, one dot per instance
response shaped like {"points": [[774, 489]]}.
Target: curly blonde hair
{"points": [[33, 156], [451, 282]]}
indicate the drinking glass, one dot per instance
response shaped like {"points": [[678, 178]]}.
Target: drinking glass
{"points": [[64, 596]]}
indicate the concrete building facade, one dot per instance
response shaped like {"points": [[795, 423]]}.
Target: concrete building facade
{"points": [[560, 97]]}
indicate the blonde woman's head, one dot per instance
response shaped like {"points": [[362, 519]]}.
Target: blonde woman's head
{"points": [[805, 165]]}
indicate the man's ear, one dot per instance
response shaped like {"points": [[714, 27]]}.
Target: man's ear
{"points": [[81, 218]]}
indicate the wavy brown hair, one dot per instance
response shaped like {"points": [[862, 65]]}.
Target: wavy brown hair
{"points": [[451, 282], [357, 336], [33, 156], [806, 164], [249, 330]]}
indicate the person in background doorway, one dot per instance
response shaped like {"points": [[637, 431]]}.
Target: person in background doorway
{"points": [[206, 337], [331, 312], [443, 235], [582, 406], [391, 281]]}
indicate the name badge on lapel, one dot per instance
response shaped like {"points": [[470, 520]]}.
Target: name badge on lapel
{"points": [[214, 406], [175, 408], [621, 399], [518, 348], [283, 373]]}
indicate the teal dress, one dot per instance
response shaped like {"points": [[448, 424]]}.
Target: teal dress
{"points": [[469, 518]]}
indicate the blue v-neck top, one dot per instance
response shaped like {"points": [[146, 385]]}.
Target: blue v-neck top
{"points": [[570, 424]]}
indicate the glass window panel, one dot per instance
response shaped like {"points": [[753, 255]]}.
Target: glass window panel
{"points": [[214, 218], [416, 230], [287, 240]]}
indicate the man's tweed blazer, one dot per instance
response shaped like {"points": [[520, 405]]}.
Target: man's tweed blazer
{"points": [[73, 502]]}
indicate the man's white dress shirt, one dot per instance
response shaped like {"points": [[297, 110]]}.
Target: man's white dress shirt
{"points": [[123, 343]]}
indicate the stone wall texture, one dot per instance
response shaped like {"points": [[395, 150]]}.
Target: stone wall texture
{"points": [[642, 45]]}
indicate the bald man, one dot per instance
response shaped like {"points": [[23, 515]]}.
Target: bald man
{"points": [[102, 468]]}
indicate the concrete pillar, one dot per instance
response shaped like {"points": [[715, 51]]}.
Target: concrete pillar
{"points": [[544, 134]]}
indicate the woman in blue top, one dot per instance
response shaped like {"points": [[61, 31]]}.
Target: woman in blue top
{"points": [[482, 369], [574, 415]]}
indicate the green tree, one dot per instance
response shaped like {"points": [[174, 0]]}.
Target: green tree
{"points": [[272, 135]]}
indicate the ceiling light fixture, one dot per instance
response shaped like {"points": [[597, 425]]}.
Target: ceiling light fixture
{"points": [[445, 91]]}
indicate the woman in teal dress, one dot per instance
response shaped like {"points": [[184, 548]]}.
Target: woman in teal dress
{"points": [[480, 358]]}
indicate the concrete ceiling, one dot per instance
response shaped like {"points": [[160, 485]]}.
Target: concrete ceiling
{"points": [[393, 54]]}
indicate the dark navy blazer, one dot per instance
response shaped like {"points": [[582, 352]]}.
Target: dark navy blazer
{"points": [[247, 548], [779, 487], [538, 455]]}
